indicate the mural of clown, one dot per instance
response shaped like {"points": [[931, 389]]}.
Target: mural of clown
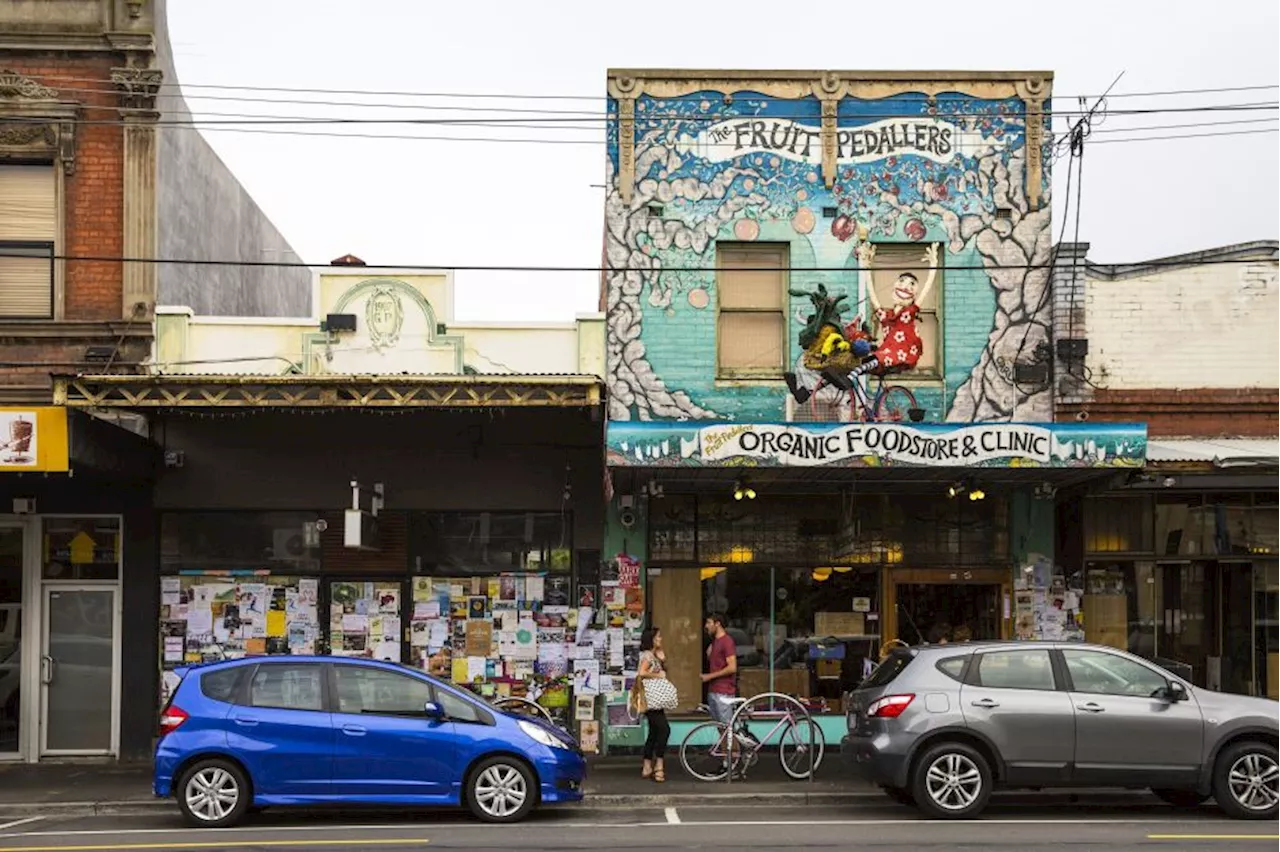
{"points": [[900, 345]]}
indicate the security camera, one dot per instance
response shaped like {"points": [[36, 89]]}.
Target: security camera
{"points": [[627, 517]]}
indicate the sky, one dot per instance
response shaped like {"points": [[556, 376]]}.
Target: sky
{"points": [[455, 203]]}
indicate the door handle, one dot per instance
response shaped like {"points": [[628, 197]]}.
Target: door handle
{"points": [[47, 668], [246, 721], [986, 703], [1091, 707], [354, 730]]}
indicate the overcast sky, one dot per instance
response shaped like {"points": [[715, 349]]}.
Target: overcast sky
{"points": [[457, 203]]}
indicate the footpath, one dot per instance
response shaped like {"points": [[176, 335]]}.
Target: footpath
{"points": [[74, 790]]}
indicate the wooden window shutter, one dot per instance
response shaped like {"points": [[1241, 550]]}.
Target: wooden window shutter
{"points": [[28, 228]]}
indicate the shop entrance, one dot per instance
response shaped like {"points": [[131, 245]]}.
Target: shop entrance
{"points": [[12, 570], [922, 605]]}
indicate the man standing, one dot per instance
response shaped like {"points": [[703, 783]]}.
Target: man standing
{"points": [[722, 670]]}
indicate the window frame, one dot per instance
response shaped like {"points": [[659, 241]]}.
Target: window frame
{"points": [[484, 716], [973, 675], [1166, 678], [937, 372], [54, 157], [748, 373], [246, 687], [335, 668], [49, 246], [237, 687]]}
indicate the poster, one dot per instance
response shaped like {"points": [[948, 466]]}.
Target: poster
{"points": [[589, 736], [628, 571], [586, 677], [584, 708], [479, 637]]}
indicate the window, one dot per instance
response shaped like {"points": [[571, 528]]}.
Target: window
{"points": [[952, 667], [464, 543], [885, 673], [81, 549], [751, 328], [1016, 670], [246, 540], [221, 685], [1099, 673], [895, 261], [28, 228], [458, 709], [366, 690], [287, 687]]}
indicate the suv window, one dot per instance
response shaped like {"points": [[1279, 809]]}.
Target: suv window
{"points": [[889, 669], [1099, 673], [952, 667], [287, 687], [367, 690], [221, 685], [1021, 669]]}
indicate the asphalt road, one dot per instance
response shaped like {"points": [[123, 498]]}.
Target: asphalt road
{"points": [[887, 827]]}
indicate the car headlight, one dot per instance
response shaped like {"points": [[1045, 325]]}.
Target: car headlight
{"points": [[541, 735]]}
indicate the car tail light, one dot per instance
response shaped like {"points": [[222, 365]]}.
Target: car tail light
{"points": [[171, 720], [889, 707]]}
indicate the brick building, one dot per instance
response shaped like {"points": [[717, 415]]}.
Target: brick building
{"points": [[755, 221], [87, 182], [1189, 547]]}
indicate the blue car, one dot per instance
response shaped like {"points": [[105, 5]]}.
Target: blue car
{"points": [[257, 733]]}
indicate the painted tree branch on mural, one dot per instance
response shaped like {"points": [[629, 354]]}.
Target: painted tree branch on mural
{"points": [[635, 242], [1007, 247]]}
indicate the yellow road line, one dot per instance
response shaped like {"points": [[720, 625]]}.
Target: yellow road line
{"points": [[223, 844], [1204, 837]]}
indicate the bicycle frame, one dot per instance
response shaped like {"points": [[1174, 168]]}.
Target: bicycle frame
{"points": [[787, 718]]}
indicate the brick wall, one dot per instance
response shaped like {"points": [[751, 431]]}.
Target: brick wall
{"points": [[1188, 412]]}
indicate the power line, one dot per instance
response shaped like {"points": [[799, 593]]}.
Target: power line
{"points": [[1187, 136], [87, 258]]}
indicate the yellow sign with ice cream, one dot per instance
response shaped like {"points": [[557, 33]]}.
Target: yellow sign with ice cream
{"points": [[34, 440]]}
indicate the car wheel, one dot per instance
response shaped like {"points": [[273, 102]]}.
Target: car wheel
{"points": [[501, 789], [1181, 798], [951, 781], [900, 795], [1246, 781], [214, 794]]}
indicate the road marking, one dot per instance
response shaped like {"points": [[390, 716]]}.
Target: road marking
{"points": [[673, 818], [1213, 836], [246, 844], [18, 822]]}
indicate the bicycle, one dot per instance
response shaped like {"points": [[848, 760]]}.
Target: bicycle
{"points": [[712, 762], [889, 404], [523, 707]]}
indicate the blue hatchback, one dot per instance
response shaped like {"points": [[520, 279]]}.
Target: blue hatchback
{"points": [[321, 730]]}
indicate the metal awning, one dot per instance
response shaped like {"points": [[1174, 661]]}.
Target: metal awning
{"points": [[1219, 452], [328, 392]]}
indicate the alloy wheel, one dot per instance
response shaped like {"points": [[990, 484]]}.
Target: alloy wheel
{"points": [[212, 794], [1254, 780], [500, 791], [953, 782]]}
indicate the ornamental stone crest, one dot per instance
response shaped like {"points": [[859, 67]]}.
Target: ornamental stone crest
{"points": [[16, 86], [384, 317]]}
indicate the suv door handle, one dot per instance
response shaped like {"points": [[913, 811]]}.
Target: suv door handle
{"points": [[986, 703], [1091, 707], [354, 730]]}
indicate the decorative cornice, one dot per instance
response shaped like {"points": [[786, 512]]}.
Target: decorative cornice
{"points": [[15, 86], [138, 86]]}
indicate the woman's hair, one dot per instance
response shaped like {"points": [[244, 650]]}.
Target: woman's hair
{"points": [[914, 280], [963, 633], [647, 637], [939, 633]]}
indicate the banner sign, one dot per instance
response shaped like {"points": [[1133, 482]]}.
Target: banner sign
{"points": [[34, 440], [1105, 445], [932, 138]]}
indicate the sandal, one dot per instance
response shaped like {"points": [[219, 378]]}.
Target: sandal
{"points": [[646, 774], [659, 776]]}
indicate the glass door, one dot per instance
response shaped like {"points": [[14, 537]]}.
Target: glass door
{"points": [[1188, 634], [78, 670], [11, 586]]}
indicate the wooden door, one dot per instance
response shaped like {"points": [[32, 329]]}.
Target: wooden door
{"points": [[675, 598]]}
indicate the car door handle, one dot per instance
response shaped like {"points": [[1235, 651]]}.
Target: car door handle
{"points": [[354, 730], [246, 721], [986, 703], [1091, 707]]}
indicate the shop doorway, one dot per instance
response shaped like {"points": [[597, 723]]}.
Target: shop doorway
{"points": [[12, 569], [922, 605], [78, 664]]}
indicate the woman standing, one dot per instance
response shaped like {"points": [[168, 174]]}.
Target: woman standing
{"points": [[652, 667]]}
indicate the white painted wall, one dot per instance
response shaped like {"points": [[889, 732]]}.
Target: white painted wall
{"points": [[1206, 326]]}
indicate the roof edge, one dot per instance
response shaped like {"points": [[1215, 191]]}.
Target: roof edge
{"points": [[798, 74]]}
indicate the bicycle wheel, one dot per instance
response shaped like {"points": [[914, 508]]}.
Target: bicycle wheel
{"points": [[793, 748], [523, 707], [896, 405], [703, 752]]}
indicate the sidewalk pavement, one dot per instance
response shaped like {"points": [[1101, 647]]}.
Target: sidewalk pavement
{"points": [[79, 789]]}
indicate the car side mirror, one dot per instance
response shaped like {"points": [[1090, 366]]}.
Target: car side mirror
{"points": [[433, 710], [1176, 692]]}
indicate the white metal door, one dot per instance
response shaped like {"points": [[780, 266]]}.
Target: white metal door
{"points": [[79, 665]]}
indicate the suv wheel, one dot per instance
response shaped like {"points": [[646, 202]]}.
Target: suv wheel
{"points": [[1181, 798], [214, 794], [501, 789], [951, 781], [1246, 781]]}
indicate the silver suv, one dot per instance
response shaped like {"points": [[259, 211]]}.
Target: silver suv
{"points": [[941, 726]]}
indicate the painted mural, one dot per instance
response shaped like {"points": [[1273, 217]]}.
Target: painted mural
{"points": [[946, 171]]}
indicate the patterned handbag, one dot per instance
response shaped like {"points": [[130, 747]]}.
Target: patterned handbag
{"points": [[660, 693]]}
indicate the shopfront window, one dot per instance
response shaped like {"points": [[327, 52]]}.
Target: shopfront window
{"points": [[238, 541], [86, 549], [465, 543]]}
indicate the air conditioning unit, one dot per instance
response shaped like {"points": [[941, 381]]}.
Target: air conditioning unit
{"points": [[289, 544]]}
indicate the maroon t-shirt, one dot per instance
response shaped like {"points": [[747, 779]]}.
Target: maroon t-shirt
{"points": [[722, 648]]}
